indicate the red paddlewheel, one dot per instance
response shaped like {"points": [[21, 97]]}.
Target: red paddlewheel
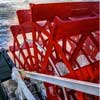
{"points": [[66, 44]]}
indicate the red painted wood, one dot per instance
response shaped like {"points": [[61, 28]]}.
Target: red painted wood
{"points": [[74, 24]]}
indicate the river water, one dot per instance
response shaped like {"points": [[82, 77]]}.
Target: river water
{"points": [[8, 18]]}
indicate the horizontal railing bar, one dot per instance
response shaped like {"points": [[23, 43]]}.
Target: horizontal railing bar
{"points": [[82, 86]]}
